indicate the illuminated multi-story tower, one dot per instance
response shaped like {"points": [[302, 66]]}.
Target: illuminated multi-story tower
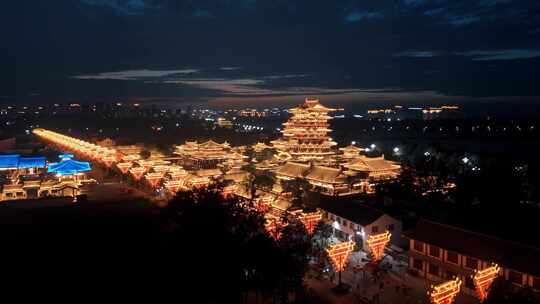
{"points": [[306, 133]]}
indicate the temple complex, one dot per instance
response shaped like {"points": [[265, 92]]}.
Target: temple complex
{"points": [[305, 152], [306, 134], [33, 177], [206, 155], [373, 168]]}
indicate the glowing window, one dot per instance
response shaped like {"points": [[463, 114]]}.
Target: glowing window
{"points": [[452, 257], [434, 251], [536, 283], [418, 246], [471, 263], [433, 269], [418, 264], [469, 282], [515, 277]]}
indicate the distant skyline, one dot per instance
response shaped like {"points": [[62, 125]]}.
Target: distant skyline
{"points": [[271, 52]]}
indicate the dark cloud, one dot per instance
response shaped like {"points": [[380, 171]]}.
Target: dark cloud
{"points": [[66, 49]]}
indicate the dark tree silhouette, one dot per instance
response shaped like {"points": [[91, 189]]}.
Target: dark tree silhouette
{"points": [[221, 248], [258, 180], [503, 292]]}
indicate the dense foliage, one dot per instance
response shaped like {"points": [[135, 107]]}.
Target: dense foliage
{"points": [[465, 190], [219, 245]]}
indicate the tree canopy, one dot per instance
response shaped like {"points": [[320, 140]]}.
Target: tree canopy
{"points": [[220, 245]]}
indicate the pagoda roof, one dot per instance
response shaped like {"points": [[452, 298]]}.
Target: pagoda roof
{"points": [[292, 169], [261, 146], [12, 187], [282, 204], [210, 144], [326, 174], [68, 167], [236, 176], [363, 163], [313, 104], [266, 164], [197, 179], [208, 172], [351, 148], [49, 183]]}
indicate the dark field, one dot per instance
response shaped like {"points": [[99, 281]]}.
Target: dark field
{"points": [[67, 251]]}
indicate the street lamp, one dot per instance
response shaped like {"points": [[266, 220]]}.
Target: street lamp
{"points": [[396, 150], [465, 160], [373, 146]]}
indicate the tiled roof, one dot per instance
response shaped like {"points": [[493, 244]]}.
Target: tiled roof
{"points": [[363, 163], [292, 169], [10, 161], [483, 247], [15, 161], [32, 162], [68, 167], [354, 211], [326, 174]]}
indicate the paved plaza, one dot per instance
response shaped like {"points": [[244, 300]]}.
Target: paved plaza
{"points": [[393, 285]]}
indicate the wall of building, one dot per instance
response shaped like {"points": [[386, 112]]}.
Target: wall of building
{"points": [[384, 223], [424, 260], [361, 233]]}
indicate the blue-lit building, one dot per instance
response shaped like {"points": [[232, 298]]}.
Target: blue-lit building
{"points": [[68, 176], [16, 162], [68, 166]]}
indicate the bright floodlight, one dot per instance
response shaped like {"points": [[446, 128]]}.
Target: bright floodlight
{"points": [[465, 160], [353, 142], [373, 146], [396, 150]]}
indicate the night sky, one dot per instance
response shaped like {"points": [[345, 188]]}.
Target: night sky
{"points": [[254, 51]]}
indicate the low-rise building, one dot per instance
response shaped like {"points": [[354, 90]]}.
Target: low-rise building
{"points": [[353, 220], [326, 180], [440, 252]]}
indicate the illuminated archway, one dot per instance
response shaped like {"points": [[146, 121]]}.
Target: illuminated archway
{"points": [[173, 186], [310, 220], [339, 255], [445, 293], [124, 167], [377, 243], [275, 227], [137, 172], [153, 178], [483, 280]]}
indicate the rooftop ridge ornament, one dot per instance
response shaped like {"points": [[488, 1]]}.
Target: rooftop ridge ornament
{"points": [[66, 156], [377, 243], [446, 292], [483, 279], [310, 220], [339, 254]]}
